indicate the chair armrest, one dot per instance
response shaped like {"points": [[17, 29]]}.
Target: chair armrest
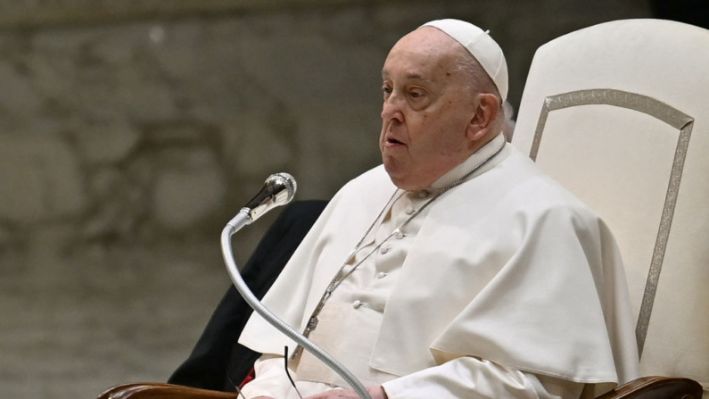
{"points": [[162, 391], [656, 388]]}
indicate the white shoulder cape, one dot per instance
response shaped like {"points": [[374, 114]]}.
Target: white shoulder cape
{"points": [[507, 266]]}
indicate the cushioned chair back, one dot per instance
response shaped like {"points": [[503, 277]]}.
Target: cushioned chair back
{"points": [[619, 114]]}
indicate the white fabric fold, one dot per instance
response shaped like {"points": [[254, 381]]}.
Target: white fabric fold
{"points": [[506, 267]]}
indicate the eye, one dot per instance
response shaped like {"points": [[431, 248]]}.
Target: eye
{"points": [[416, 93], [386, 90]]}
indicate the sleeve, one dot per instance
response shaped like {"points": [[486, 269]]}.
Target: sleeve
{"points": [[271, 379], [473, 378]]}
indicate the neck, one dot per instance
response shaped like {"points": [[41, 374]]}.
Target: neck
{"points": [[464, 170]]}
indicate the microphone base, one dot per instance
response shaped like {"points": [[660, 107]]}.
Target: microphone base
{"points": [[243, 218]]}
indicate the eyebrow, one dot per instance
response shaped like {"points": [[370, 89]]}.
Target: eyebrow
{"points": [[410, 75]]}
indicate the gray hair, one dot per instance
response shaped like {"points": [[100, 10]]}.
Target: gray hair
{"points": [[478, 81]]}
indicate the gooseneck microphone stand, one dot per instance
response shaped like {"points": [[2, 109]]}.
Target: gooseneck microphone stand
{"points": [[278, 190]]}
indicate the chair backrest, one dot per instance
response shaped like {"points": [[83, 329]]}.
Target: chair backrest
{"points": [[619, 114]]}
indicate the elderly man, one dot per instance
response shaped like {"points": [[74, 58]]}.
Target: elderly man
{"points": [[456, 270]]}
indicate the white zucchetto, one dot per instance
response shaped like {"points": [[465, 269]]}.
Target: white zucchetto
{"points": [[481, 46]]}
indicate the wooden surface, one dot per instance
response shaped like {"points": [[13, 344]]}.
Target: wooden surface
{"points": [[162, 391], [656, 388], [641, 388]]}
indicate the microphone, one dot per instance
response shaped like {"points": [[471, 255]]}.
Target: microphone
{"points": [[277, 190]]}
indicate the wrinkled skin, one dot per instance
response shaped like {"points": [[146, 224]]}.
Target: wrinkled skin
{"points": [[432, 120]]}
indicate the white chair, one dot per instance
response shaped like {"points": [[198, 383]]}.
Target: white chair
{"points": [[619, 114]]}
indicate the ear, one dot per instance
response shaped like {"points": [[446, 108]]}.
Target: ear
{"points": [[485, 115]]}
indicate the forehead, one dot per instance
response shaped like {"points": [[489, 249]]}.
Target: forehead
{"points": [[424, 53]]}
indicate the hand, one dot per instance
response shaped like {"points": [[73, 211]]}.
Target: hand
{"points": [[375, 392]]}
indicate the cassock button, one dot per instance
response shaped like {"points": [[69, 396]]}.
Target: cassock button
{"points": [[357, 304], [381, 275], [410, 211], [385, 249], [422, 194], [398, 234]]}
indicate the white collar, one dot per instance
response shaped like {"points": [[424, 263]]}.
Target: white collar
{"points": [[471, 163]]}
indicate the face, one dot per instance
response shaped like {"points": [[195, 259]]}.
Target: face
{"points": [[428, 109]]}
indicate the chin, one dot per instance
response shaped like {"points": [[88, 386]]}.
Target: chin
{"points": [[394, 175], [399, 176], [401, 181]]}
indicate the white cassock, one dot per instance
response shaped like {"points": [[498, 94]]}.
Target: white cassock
{"points": [[503, 286]]}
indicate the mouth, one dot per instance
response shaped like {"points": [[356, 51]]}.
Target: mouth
{"points": [[390, 141]]}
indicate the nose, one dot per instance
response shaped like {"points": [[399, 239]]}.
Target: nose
{"points": [[392, 108]]}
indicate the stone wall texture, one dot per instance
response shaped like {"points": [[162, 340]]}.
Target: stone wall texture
{"points": [[130, 132]]}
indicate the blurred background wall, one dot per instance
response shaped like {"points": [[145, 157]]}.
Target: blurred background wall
{"points": [[130, 131]]}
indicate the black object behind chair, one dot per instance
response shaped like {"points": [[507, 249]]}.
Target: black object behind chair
{"points": [[217, 361]]}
